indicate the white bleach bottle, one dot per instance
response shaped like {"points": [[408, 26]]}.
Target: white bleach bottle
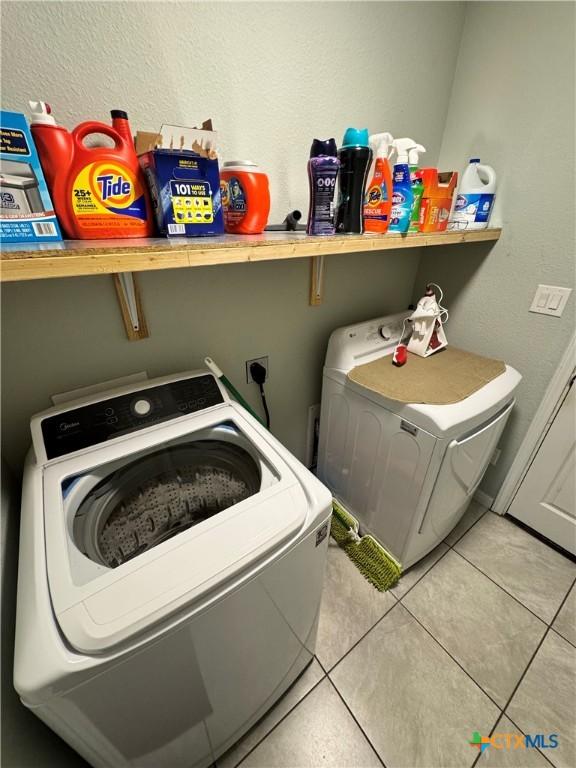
{"points": [[475, 198]]}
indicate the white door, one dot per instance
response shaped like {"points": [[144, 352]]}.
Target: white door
{"points": [[546, 498]]}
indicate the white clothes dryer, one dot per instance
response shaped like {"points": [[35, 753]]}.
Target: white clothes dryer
{"points": [[407, 471], [171, 564]]}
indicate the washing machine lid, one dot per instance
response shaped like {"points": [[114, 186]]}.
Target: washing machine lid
{"points": [[99, 603], [453, 419]]}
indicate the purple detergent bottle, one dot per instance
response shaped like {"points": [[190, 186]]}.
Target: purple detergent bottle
{"points": [[323, 169]]}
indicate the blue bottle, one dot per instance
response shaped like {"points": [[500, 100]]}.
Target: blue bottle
{"points": [[323, 168], [402, 194]]}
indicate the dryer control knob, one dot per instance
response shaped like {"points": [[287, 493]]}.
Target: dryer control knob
{"points": [[142, 407], [385, 332]]}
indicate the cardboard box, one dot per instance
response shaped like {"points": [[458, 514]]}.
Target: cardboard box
{"points": [[184, 183], [436, 199], [26, 210]]}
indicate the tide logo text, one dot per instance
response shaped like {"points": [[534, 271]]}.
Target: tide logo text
{"points": [[111, 186]]}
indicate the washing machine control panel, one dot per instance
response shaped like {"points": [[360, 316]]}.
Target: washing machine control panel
{"points": [[95, 423]]}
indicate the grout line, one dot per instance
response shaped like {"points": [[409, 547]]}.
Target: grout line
{"points": [[289, 712], [386, 612], [426, 572], [479, 755], [467, 529], [544, 636], [398, 602], [522, 732], [503, 588], [417, 620], [562, 636], [353, 716]]}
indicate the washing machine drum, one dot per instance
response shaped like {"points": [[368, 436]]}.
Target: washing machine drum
{"points": [[160, 495]]}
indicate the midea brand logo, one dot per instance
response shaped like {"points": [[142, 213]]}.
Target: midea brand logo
{"points": [[64, 426], [110, 187]]}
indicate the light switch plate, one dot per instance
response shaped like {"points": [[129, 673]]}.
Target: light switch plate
{"points": [[550, 300]]}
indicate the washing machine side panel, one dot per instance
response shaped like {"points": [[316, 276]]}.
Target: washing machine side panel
{"points": [[375, 464], [334, 436], [187, 697]]}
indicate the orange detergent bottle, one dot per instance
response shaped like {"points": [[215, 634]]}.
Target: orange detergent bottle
{"points": [[98, 192], [245, 197]]}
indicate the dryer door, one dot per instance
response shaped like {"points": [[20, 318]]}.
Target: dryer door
{"points": [[463, 467]]}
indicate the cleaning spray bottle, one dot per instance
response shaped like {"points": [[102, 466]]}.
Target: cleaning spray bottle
{"points": [[355, 157], [378, 198], [417, 186], [323, 168], [402, 195], [98, 192]]}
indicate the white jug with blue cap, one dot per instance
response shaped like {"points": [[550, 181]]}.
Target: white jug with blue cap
{"points": [[475, 198]]}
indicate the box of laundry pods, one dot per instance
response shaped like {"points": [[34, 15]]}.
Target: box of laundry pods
{"points": [[26, 210], [184, 182]]}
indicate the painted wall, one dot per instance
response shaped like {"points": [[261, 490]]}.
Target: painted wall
{"points": [[60, 334], [277, 75], [271, 75], [512, 105]]}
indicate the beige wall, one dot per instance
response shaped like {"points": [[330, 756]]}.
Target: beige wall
{"points": [[277, 75], [513, 106]]}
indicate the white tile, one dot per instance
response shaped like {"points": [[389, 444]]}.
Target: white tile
{"points": [[523, 565], [565, 622], [488, 632], [318, 732], [350, 607], [545, 701], [307, 680], [415, 573], [415, 704]]}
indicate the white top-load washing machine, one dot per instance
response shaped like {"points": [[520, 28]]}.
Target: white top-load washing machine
{"points": [[406, 471], [171, 564]]}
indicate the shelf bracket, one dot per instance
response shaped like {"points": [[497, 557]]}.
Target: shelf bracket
{"points": [[316, 280], [131, 308]]}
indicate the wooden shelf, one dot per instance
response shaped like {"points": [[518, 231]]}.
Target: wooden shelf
{"points": [[101, 257]]}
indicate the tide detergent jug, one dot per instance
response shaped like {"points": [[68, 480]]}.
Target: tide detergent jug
{"points": [[98, 192]]}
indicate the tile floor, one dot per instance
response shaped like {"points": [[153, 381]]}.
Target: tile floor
{"points": [[478, 636]]}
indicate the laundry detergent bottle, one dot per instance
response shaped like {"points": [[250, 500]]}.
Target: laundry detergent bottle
{"points": [[378, 198], [402, 195], [245, 197], [323, 168], [417, 186], [355, 157], [98, 192], [475, 198]]}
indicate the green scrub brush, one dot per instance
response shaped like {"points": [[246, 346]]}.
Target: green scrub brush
{"points": [[372, 560]]}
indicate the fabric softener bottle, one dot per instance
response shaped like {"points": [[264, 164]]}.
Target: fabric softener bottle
{"points": [[355, 158], [323, 168]]}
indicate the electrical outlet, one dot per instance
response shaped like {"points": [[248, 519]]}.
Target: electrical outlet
{"points": [[263, 361], [312, 432]]}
